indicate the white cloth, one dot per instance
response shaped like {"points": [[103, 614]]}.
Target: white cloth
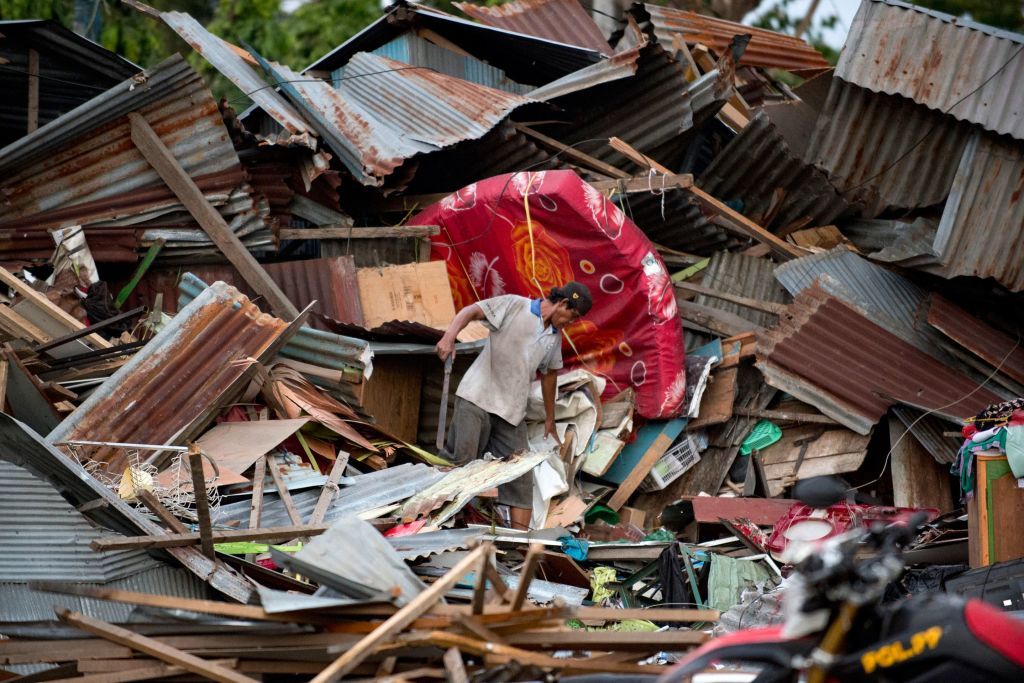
{"points": [[518, 347]]}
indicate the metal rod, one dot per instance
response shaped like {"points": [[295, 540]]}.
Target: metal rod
{"points": [[117, 444]]}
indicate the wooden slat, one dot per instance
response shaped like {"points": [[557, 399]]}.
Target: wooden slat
{"points": [[533, 556], [51, 310], [256, 505], [195, 463], [756, 304], [18, 326], [606, 640], [268, 535], [154, 648], [329, 491], [636, 477], [213, 224], [283, 493], [572, 153], [165, 515], [344, 233], [402, 618], [454, 667]]}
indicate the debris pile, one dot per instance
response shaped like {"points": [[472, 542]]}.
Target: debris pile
{"points": [[223, 411]]}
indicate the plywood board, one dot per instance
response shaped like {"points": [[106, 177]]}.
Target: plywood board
{"points": [[606, 448], [917, 480], [719, 398], [829, 451], [237, 445], [415, 292]]}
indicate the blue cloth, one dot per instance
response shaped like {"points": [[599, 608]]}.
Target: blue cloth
{"points": [[535, 307], [576, 548]]}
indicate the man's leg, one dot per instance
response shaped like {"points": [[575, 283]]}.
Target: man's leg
{"points": [[468, 433], [505, 440]]}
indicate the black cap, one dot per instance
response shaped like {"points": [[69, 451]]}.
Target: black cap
{"points": [[576, 294]]}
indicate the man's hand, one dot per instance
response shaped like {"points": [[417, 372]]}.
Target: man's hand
{"points": [[445, 348], [549, 429]]}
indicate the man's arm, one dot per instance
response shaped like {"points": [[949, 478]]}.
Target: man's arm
{"points": [[446, 347], [548, 388]]}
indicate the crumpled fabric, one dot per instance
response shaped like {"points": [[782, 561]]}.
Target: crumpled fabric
{"points": [[599, 580], [576, 548]]}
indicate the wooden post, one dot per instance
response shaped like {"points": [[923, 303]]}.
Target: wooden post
{"points": [[152, 647], [183, 187], [195, 462], [157, 508], [329, 490], [402, 618], [533, 556], [33, 90], [917, 480], [282, 492], [453, 666]]}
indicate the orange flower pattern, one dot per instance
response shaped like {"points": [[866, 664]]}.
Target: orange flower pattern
{"points": [[544, 263]]}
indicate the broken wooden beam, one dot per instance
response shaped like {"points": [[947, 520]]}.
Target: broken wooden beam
{"points": [[268, 535], [213, 224], [746, 302], [50, 309], [786, 416], [572, 153]]}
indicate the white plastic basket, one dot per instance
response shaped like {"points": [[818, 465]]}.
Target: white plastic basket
{"points": [[680, 457]]}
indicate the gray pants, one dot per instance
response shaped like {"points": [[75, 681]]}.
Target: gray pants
{"points": [[474, 432]]}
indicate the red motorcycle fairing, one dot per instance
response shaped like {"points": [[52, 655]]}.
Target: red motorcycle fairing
{"points": [[991, 626], [757, 646]]}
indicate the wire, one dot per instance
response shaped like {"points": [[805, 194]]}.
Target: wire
{"points": [[935, 125], [41, 77], [966, 396], [333, 80]]}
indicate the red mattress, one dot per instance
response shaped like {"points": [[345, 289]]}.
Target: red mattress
{"points": [[528, 232]]}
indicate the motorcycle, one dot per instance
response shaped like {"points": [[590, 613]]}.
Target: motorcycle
{"points": [[835, 628]]}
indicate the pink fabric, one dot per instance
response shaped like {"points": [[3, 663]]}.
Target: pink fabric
{"points": [[633, 335]]}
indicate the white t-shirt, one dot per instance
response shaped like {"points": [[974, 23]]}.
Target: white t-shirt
{"points": [[519, 345]]}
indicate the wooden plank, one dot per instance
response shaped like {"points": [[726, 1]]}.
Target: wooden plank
{"points": [[183, 187], [135, 673], [454, 666], [742, 225], [480, 588], [50, 309], [268, 535], [3, 383], [760, 511], [154, 648], [283, 493], [402, 618], [32, 113], [719, 400], [329, 491], [345, 233], [606, 640], [195, 463], [533, 556], [16, 325], [572, 153], [86, 331], [720, 322], [917, 480], [810, 450], [157, 508], [756, 304], [786, 416], [636, 477], [472, 624], [256, 505]]}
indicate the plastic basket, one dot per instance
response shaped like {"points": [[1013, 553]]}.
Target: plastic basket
{"points": [[680, 457]]}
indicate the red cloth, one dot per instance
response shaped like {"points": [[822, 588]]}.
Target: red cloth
{"points": [[633, 335]]}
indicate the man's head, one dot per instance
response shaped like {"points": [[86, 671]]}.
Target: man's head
{"points": [[572, 302]]}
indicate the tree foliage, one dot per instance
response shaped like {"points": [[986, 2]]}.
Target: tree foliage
{"points": [[999, 13]]}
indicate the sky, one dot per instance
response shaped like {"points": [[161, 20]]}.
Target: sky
{"points": [[844, 9]]}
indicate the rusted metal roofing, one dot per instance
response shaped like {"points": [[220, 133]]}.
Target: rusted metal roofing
{"points": [[994, 347], [23, 447], [171, 387], [72, 70], [563, 21], [418, 51], [228, 61], [382, 112], [767, 49], [930, 432], [746, 276], [620, 65], [886, 151], [827, 354], [949, 64], [675, 220], [756, 163], [331, 282], [525, 59], [83, 169], [980, 232]]}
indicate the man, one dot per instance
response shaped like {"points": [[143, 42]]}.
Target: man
{"points": [[490, 404]]}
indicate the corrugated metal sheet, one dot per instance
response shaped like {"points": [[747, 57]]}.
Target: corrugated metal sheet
{"points": [[525, 59], [756, 163], [867, 143], [83, 167], [620, 65], [23, 447], [357, 494], [45, 539], [170, 387], [981, 231], [225, 58], [767, 49], [747, 276], [675, 220], [384, 112], [650, 110], [331, 282], [929, 431], [412, 49], [563, 21], [18, 602], [887, 298], [827, 354], [320, 348], [944, 62], [994, 347], [71, 70], [415, 546]]}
